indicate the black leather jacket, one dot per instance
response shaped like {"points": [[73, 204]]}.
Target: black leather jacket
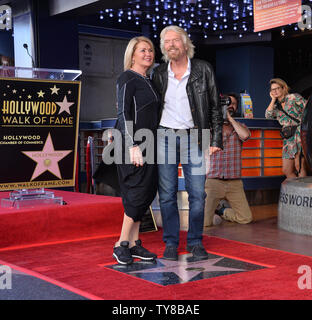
{"points": [[202, 94]]}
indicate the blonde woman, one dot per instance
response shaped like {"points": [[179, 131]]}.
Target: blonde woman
{"points": [[293, 104], [138, 107]]}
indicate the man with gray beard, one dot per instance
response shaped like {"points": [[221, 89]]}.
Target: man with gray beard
{"points": [[189, 102]]}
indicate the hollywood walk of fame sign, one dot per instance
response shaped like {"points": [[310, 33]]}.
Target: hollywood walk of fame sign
{"points": [[39, 133]]}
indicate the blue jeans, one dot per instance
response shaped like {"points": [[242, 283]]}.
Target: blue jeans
{"points": [[168, 158]]}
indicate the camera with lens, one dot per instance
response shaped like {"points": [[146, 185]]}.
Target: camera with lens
{"points": [[225, 101]]}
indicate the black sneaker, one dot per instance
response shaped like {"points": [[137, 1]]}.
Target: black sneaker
{"points": [[198, 251], [171, 253], [219, 212], [140, 252], [122, 253]]}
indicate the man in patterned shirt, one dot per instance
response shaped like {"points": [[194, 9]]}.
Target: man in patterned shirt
{"points": [[224, 173]]}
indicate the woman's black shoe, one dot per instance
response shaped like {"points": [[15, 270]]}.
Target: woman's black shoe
{"points": [[122, 253], [140, 252]]}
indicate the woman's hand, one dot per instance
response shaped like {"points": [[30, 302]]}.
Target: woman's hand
{"points": [[136, 157], [272, 97], [272, 103]]}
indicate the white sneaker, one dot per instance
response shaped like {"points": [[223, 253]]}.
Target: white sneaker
{"points": [[216, 220]]}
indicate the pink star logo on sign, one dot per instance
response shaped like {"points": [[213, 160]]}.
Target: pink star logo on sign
{"points": [[47, 159], [64, 105]]}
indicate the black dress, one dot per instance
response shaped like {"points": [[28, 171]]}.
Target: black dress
{"points": [[138, 107]]}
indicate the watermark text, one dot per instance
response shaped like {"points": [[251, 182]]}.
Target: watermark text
{"points": [[5, 277]]}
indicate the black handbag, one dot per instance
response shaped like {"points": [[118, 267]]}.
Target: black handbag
{"points": [[287, 131]]}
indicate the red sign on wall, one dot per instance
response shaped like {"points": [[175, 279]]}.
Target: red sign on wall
{"points": [[270, 14]]}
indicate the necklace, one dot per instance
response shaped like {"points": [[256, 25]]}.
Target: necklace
{"points": [[139, 73]]}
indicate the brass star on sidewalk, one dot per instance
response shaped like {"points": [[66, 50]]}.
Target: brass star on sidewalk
{"points": [[186, 271]]}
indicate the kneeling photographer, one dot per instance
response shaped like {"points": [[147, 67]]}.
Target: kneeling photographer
{"points": [[224, 173], [288, 110]]}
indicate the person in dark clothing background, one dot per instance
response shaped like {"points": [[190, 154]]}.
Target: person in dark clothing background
{"points": [[138, 107]]}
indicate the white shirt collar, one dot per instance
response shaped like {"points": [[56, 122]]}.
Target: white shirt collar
{"points": [[188, 70]]}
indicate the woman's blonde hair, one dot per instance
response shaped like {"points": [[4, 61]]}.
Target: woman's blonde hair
{"points": [[190, 48], [131, 48], [281, 83]]}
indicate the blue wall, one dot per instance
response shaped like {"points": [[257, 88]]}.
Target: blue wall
{"points": [[6, 43], [246, 68], [58, 41], [58, 44]]}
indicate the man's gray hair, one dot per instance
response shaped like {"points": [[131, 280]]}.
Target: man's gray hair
{"points": [[185, 38]]}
